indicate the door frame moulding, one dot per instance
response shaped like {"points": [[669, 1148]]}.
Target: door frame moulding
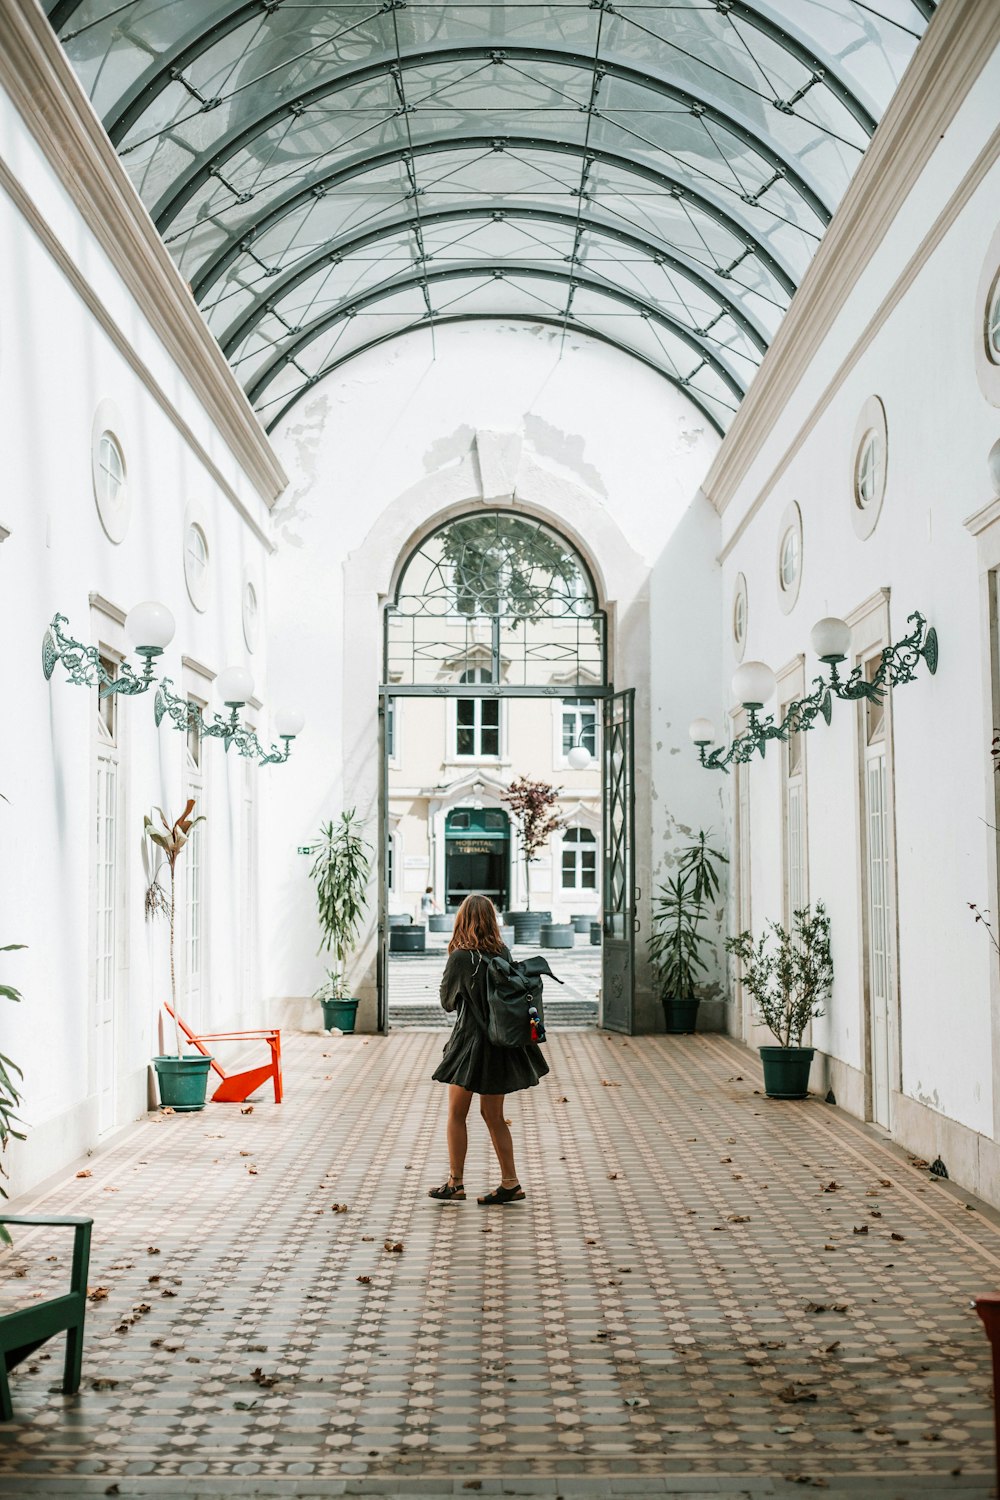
{"points": [[958, 43], [497, 471], [39, 78]]}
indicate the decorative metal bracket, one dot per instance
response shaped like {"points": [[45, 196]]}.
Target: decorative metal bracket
{"points": [[85, 668], [897, 666], [186, 715]]}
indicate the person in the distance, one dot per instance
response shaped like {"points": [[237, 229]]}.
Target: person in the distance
{"points": [[472, 1064]]}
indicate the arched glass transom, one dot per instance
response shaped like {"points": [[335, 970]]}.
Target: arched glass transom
{"points": [[328, 175], [495, 598]]}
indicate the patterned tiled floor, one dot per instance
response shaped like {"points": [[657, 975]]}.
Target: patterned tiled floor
{"points": [[706, 1292]]}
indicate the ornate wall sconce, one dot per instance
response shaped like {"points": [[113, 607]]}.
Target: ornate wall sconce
{"points": [[149, 626], [234, 686], [754, 684]]}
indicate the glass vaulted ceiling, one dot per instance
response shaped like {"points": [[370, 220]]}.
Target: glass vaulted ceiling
{"points": [[327, 176]]}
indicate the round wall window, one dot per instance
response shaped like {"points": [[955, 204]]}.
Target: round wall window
{"points": [[789, 557], [987, 325], [196, 561], [110, 472], [251, 615], [739, 616], [870, 459], [993, 322]]}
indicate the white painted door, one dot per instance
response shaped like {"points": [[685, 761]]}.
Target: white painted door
{"points": [[105, 934], [880, 975]]}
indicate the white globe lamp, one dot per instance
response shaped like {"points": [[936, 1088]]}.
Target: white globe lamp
{"points": [[831, 639], [150, 627], [702, 731], [288, 722], [753, 684], [579, 758], [234, 686]]}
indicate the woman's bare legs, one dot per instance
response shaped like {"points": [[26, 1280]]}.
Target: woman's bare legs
{"points": [[491, 1109], [459, 1103]]}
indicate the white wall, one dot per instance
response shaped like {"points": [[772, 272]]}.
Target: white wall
{"points": [[920, 362], [396, 424], [56, 364]]}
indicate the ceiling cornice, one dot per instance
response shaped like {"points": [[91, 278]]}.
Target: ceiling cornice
{"points": [[40, 80], [958, 42]]}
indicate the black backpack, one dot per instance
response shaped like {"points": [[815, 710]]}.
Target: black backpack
{"points": [[514, 990]]}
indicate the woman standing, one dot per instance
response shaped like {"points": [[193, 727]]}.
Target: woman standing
{"points": [[472, 1064]]}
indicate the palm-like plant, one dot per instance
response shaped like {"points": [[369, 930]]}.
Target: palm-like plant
{"points": [[172, 839], [341, 868], [10, 1096], [679, 907]]}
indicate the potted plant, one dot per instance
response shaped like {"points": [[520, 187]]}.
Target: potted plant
{"points": [[182, 1079], [532, 811], [341, 868], [677, 942], [788, 984], [10, 1097]]}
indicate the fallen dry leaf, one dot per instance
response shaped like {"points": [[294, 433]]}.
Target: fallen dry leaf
{"points": [[861, 1229], [829, 1247], [606, 1083], [97, 1294], [85, 1173], [246, 1109], [365, 1280], [167, 1292], [563, 1099], [885, 1182], [338, 1208], [612, 1176], [152, 1250], [252, 1171], [261, 1379], [725, 1160], [738, 1218], [368, 1237], [831, 1187], [395, 1247], [895, 1236], [103, 1383], [831, 1347], [791, 1394], [246, 1153]]}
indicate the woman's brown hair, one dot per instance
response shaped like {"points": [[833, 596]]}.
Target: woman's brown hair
{"points": [[476, 927]]}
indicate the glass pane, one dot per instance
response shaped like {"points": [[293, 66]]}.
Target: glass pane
{"points": [[491, 712], [466, 710], [568, 868], [466, 742], [491, 742]]}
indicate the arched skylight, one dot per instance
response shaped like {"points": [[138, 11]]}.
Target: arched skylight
{"points": [[328, 176]]}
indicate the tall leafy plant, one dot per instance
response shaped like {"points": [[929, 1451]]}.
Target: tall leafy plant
{"points": [[172, 838], [789, 980], [341, 867], [532, 811], [679, 908], [10, 1096]]}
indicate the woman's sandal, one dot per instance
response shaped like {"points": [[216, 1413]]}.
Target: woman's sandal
{"points": [[448, 1191], [502, 1194]]}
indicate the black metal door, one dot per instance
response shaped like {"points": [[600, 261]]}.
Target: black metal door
{"points": [[618, 987]]}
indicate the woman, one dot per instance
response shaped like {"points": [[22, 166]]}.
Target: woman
{"points": [[471, 1063]]}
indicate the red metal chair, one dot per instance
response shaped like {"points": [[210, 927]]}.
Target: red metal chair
{"points": [[235, 1088]]}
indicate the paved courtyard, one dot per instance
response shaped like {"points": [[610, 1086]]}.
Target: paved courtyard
{"points": [[705, 1293]]}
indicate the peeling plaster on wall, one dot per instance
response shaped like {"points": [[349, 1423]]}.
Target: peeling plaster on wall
{"points": [[450, 449], [562, 448], [688, 437], [932, 1100], [306, 437]]}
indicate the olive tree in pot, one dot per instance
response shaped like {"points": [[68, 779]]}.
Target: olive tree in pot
{"points": [[532, 811], [677, 942], [788, 984], [182, 1079], [341, 868]]}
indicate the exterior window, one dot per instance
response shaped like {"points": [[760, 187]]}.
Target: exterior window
{"points": [[870, 467], [390, 728], [579, 725], [460, 819], [390, 863], [477, 720], [107, 705], [110, 472], [789, 558], [194, 737], [579, 860], [196, 574]]}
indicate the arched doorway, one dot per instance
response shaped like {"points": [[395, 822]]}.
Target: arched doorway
{"points": [[495, 615]]}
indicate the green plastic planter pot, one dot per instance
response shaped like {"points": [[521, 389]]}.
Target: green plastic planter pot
{"points": [[786, 1071], [340, 1014], [680, 1016], [182, 1081]]}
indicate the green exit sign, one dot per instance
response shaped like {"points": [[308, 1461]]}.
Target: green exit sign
{"points": [[304, 849]]}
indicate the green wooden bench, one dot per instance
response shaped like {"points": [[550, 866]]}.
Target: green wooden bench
{"points": [[24, 1331]]}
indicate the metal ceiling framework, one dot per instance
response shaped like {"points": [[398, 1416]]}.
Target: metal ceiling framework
{"points": [[329, 176]]}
